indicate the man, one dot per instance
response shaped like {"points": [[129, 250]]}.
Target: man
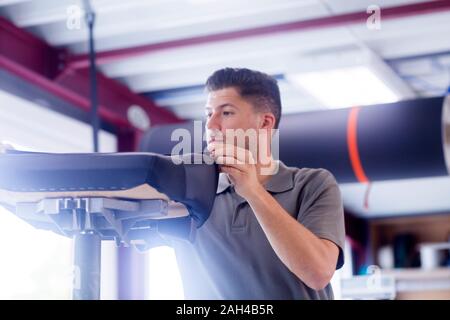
{"points": [[269, 236]]}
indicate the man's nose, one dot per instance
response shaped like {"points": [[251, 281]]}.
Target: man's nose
{"points": [[213, 122]]}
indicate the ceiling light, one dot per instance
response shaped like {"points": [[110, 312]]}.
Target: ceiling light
{"points": [[345, 87]]}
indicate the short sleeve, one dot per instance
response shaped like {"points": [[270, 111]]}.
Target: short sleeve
{"points": [[321, 210]]}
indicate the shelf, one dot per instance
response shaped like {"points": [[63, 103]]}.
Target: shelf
{"points": [[418, 274], [399, 284]]}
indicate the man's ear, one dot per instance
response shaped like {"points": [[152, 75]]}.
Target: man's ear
{"points": [[267, 121]]}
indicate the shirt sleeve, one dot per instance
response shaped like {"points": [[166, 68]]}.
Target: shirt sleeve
{"points": [[321, 210]]}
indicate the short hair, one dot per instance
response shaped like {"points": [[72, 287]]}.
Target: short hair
{"points": [[258, 88]]}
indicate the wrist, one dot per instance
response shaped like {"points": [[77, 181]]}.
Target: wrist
{"points": [[256, 193]]}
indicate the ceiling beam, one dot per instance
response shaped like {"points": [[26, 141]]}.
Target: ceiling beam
{"points": [[82, 61], [34, 61]]}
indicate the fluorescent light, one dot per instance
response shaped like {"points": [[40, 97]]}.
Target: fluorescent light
{"points": [[346, 87]]}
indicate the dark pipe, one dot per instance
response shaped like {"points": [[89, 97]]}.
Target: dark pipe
{"points": [[391, 141]]}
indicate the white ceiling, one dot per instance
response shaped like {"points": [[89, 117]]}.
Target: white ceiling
{"points": [[124, 24], [416, 50]]}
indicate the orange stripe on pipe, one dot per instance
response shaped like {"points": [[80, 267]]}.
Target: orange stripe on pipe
{"points": [[352, 143]]}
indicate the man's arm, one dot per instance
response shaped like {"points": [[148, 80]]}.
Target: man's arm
{"points": [[310, 258]]}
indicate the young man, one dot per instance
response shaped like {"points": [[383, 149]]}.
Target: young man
{"points": [[269, 236]]}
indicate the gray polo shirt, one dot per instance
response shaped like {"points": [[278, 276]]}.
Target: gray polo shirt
{"points": [[230, 256]]}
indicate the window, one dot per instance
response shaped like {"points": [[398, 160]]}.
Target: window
{"points": [[37, 264]]}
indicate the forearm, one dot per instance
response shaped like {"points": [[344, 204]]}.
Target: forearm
{"points": [[299, 249]]}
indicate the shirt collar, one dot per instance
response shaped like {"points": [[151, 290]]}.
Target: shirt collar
{"points": [[282, 181], [223, 184]]}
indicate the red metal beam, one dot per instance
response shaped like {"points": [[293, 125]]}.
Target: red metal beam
{"points": [[59, 91], [33, 60], [114, 96], [82, 61], [26, 50]]}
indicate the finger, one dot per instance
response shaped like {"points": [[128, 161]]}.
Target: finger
{"points": [[232, 172], [229, 150], [213, 146], [219, 149], [241, 154], [230, 161]]}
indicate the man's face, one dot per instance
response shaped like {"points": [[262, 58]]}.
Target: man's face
{"points": [[225, 110]]}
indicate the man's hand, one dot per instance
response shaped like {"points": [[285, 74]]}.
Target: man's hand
{"points": [[240, 166]]}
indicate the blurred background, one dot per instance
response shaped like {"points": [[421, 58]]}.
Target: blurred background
{"points": [[153, 58]]}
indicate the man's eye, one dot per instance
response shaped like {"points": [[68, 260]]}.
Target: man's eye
{"points": [[208, 115], [227, 113]]}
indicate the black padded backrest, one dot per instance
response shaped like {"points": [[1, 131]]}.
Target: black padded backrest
{"points": [[159, 139], [199, 176]]}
